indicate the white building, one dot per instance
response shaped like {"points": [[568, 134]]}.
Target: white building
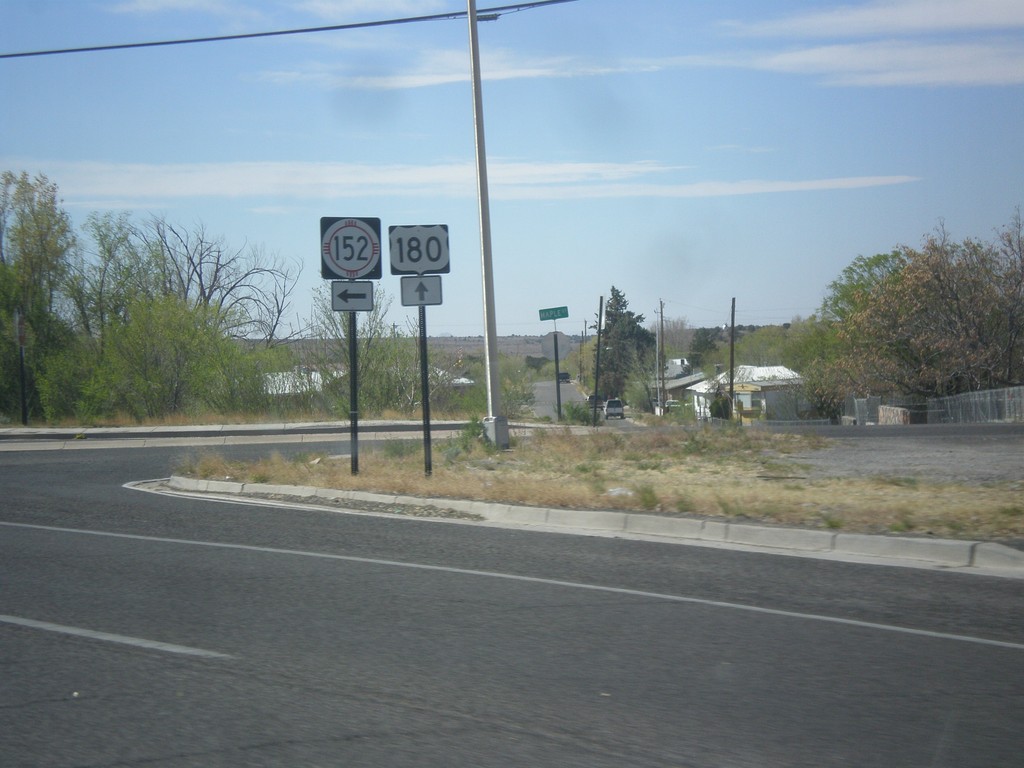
{"points": [[765, 391]]}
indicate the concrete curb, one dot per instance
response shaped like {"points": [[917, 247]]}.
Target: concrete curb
{"points": [[939, 552]]}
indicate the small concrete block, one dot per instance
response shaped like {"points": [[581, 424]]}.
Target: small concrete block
{"points": [[279, 490], [658, 525], [712, 530], [223, 486], [989, 555], [583, 518], [781, 538], [957, 553], [509, 513]]}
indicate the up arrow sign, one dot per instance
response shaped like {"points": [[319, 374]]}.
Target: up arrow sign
{"points": [[421, 291], [351, 296]]}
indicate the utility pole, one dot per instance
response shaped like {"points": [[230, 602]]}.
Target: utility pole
{"points": [[732, 358], [661, 353], [495, 425], [597, 358]]}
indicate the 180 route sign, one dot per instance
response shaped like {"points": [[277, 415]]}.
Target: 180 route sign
{"points": [[350, 248], [419, 250]]}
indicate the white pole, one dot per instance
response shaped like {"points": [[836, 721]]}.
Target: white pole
{"points": [[495, 425]]}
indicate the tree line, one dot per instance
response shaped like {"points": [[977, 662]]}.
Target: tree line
{"points": [[937, 320], [150, 319]]}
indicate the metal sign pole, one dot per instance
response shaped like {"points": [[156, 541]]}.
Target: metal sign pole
{"points": [[425, 385], [597, 358], [558, 380], [353, 392]]}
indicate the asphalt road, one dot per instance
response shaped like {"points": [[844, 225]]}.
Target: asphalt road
{"points": [[546, 404], [234, 634]]}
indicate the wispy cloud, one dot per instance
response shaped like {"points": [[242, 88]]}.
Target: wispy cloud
{"points": [[345, 9], [172, 6], [894, 43], [892, 17], [271, 184], [900, 63], [442, 67]]}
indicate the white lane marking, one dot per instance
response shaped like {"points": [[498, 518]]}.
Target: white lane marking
{"points": [[549, 582], [91, 634]]}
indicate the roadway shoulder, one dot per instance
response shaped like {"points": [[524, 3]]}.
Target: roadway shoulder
{"points": [[943, 553]]}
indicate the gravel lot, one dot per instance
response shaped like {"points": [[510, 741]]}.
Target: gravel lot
{"points": [[971, 454]]}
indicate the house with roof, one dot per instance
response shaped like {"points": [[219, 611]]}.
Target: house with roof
{"points": [[760, 391]]}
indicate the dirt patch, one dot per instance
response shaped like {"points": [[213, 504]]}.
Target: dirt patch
{"points": [[966, 459]]}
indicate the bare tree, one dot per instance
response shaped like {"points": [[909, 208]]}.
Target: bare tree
{"points": [[249, 289]]}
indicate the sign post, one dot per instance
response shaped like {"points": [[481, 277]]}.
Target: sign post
{"points": [[554, 313], [421, 253], [349, 250]]}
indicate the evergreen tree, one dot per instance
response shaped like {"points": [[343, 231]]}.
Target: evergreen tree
{"points": [[627, 347]]}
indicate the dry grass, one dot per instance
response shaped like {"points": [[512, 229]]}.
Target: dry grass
{"points": [[732, 474]]}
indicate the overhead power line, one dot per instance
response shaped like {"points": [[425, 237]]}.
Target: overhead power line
{"points": [[484, 14]]}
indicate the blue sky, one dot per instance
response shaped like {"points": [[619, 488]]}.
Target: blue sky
{"points": [[683, 151]]}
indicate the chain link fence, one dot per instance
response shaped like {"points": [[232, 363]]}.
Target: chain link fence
{"points": [[976, 407], [992, 405]]}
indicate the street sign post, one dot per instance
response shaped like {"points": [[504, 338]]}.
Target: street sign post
{"points": [[350, 248], [554, 313], [420, 249], [351, 295]]}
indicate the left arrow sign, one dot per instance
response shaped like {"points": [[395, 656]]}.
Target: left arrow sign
{"points": [[351, 296]]}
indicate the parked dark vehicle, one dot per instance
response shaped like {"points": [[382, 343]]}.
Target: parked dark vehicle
{"points": [[563, 377]]}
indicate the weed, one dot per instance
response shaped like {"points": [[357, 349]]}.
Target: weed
{"points": [[904, 524], [954, 525], [899, 482], [729, 507], [398, 449], [685, 504], [646, 496], [684, 471]]}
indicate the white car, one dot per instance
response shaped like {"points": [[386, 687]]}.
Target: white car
{"points": [[614, 409]]}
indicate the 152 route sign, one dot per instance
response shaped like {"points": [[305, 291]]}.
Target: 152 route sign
{"points": [[419, 249], [349, 248]]}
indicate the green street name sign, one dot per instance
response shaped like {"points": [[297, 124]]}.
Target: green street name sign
{"points": [[554, 313]]}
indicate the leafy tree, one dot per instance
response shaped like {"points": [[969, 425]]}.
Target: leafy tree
{"points": [[765, 346], [158, 358], [864, 278], [388, 372], [677, 337], [703, 344], [627, 347], [813, 349], [944, 319], [36, 243]]}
